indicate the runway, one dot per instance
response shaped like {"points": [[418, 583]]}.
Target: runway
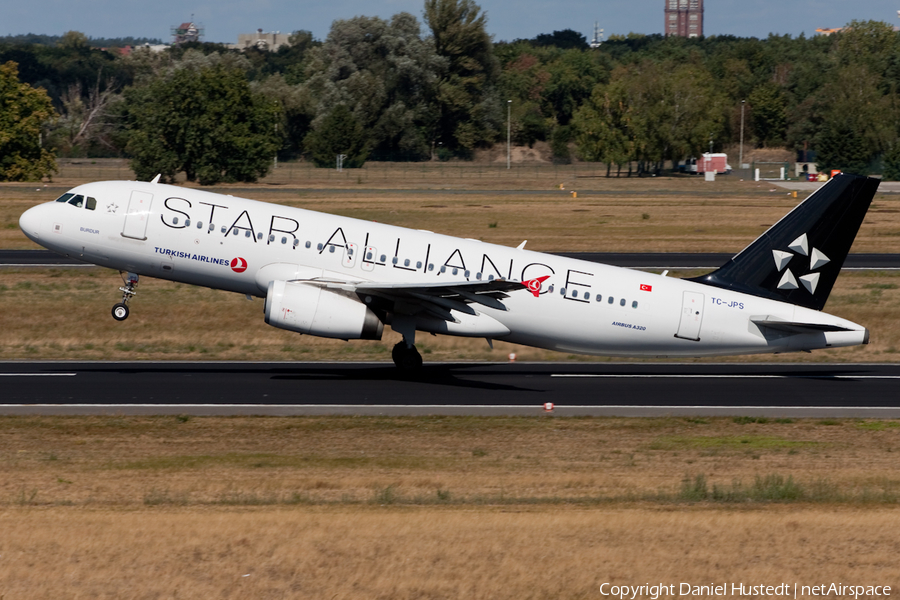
{"points": [[575, 389], [633, 260]]}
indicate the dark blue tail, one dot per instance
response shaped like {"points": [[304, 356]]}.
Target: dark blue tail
{"points": [[799, 258]]}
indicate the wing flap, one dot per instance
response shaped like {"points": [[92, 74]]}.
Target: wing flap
{"points": [[437, 299]]}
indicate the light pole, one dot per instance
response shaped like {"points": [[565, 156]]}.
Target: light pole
{"points": [[741, 159], [508, 129]]}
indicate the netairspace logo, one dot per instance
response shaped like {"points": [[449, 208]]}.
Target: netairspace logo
{"points": [[781, 590]]}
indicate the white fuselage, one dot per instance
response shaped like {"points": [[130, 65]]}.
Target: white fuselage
{"points": [[240, 245]]}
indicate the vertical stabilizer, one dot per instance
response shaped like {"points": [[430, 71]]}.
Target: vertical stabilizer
{"points": [[799, 258]]}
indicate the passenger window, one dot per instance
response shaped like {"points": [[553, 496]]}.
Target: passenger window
{"points": [[271, 238], [562, 291], [431, 266], [212, 227], [622, 302], [64, 197], [466, 274], [574, 293], [331, 249], [319, 247], [550, 289], [296, 242], [443, 268], [259, 235], [284, 240], [490, 277], [91, 203], [478, 276], [368, 256], [455, 270], [383, 258], [308, 244], [234, 232], [247, 233], [611, 299], [634, 304], [174, 220], [77, 201], [418, 264], [599, 298], [406, 263], [187, 222], [224, 229], [199, 224]]}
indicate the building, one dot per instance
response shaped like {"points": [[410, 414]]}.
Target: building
{"points": [[684, 18], [186, 32], [261, 40]]}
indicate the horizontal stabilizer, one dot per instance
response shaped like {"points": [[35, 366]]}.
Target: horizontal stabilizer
{"points": [[795, 327]]}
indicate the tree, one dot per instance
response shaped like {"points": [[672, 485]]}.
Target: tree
{"points": [[338, 133], [603, 126], [203, 120], [386, 74], [892, 163], [24, 111], [565, 40], [768, 114], [469, 114]]}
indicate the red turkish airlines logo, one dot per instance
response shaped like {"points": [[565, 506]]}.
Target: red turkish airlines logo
{"points": [[646, 288], [238, 265], [534, 285]]}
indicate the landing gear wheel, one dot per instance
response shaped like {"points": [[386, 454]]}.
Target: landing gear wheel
{"points": [[406, 358], [120, 312]]}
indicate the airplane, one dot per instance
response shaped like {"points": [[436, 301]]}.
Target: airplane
{"points": [[345, 278]]}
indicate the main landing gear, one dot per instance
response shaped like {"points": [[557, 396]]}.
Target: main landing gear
{"points": [[120, 311], [405, 355]]}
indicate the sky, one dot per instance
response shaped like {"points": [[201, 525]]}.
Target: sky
{"points": [[507, 20]]}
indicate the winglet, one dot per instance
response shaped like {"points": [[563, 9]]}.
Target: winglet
{"points": [[522, 245], [156, 179]]}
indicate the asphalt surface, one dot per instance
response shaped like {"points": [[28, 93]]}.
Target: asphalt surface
{"points": [[601, 389], [637, 260]]}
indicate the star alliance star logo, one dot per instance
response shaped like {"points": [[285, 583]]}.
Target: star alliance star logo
{"points": [[111, 208], [817, 259]]}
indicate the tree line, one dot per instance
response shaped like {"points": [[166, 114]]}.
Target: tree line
{"points": [[406, 89]]}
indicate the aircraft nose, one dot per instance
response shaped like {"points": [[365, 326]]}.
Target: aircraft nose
{"points": [[30, 222]]}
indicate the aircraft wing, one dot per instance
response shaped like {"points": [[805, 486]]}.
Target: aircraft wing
{"points": [[436, 299]]}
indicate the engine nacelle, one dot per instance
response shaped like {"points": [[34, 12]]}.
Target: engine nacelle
{"points": [[310, 309]]}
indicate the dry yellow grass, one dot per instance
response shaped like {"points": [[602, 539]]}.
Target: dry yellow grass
{"points": [[137, 461], [432, 553], [350, 507]]}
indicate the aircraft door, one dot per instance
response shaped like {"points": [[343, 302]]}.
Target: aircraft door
{"points": [[691, 316], [368, 261], [137, 216], [350, 251]]}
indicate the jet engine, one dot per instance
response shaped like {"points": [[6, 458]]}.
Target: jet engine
{"points": [[310, 309]]}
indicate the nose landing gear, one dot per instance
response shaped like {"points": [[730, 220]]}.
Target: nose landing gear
{"points": [[120, 311]]}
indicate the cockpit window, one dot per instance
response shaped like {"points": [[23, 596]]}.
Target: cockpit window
{"points": [[65, 197], [77, 201], [91, 203]]}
